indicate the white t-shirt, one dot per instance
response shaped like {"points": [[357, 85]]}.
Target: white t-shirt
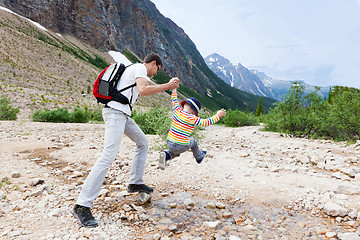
{"points": [[128, 78]]}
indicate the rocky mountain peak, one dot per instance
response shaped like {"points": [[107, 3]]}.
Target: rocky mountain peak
{"points": [[237, 76], [251, 80]]}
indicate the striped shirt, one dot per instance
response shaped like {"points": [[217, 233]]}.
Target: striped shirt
{"points": [[184, 123]]}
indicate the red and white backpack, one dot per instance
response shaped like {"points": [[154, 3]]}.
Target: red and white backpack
{"points": [[104, 89]]}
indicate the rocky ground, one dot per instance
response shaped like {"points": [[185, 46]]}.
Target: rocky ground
{"points": [[252, 185]]}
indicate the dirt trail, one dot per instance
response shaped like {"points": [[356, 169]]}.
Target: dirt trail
{"points": [[251, 185]]}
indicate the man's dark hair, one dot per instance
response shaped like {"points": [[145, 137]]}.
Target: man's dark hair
{"points": [[151, 57]]}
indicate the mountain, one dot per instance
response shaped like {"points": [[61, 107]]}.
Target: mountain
{"points": [[252, 81], [139, 28], [237, 76], [42, 69]]}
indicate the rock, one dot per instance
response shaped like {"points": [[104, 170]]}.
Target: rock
{"points": [[348, 190], [13, 234], [349, 172], [353, 214], [164, 194], [104, 192], [210, 205], [353, 224], [337, 175], [2, 195], [122, 194], [348, 236], [144, 198], [36, 182], [250, 228], [227, 214], [139, 209], [212, 225], [126, 208], [239, 220], [36, 193], [55, 213], [66, 169], [76, 174], [335, 210], [173, 228], [15, 175], [156, 236], [166, 221], [232, 237], [173, 205], [220, 205], [5, 179], [189, 203], [330, 235]]}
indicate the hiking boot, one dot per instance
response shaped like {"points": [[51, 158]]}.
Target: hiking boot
{"points": [[164, 156], [139, 188], [83, 214], [203, 156]]}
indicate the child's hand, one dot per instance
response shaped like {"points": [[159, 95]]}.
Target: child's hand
{"points": [[221, 113], [174, 83]]}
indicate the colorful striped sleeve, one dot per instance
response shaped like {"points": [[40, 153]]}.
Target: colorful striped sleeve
{"points": [[206, 122], [174, 101]]}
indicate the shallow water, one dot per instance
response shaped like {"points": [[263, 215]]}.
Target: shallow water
{"points": [[167, 215]]}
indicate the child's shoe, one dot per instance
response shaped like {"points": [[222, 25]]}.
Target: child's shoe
{"points": [[203, 156], [162, 160]]}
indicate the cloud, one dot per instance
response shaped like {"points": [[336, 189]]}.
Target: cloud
{"points": [[286, 46], [289, 40]]}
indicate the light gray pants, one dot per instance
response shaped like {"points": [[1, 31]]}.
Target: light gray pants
{"points": [[116, 124], [176, 149]]}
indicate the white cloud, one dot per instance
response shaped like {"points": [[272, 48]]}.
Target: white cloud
{"points": [[286, 39]]}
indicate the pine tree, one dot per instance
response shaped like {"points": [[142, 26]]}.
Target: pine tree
{"points": [[259, 109]]}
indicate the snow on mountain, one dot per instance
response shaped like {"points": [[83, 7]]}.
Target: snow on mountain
{"points": [[35, 23], [252, 81]]}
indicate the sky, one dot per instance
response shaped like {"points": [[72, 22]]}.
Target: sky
{"points": [[317, 41]]}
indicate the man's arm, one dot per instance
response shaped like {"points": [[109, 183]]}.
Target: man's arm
{"points": [[145, 89]]}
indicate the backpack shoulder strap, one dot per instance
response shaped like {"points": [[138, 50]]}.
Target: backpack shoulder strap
{"points": [[125, 88], [132, 85]]}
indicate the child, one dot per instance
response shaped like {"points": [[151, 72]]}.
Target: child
{"points": [[183, 123]]}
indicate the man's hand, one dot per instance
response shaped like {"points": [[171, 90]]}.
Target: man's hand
{"points": [[221, 113], [174, 83]]}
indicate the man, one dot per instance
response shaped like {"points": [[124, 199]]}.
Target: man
{"points": [[118, 122]]}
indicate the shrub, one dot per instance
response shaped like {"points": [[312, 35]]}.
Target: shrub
{"points": [[344, 115], [79, 116], [46, 115], [96, 115], [156, 121], [7, 112], [310, 115], [236, 118]]}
